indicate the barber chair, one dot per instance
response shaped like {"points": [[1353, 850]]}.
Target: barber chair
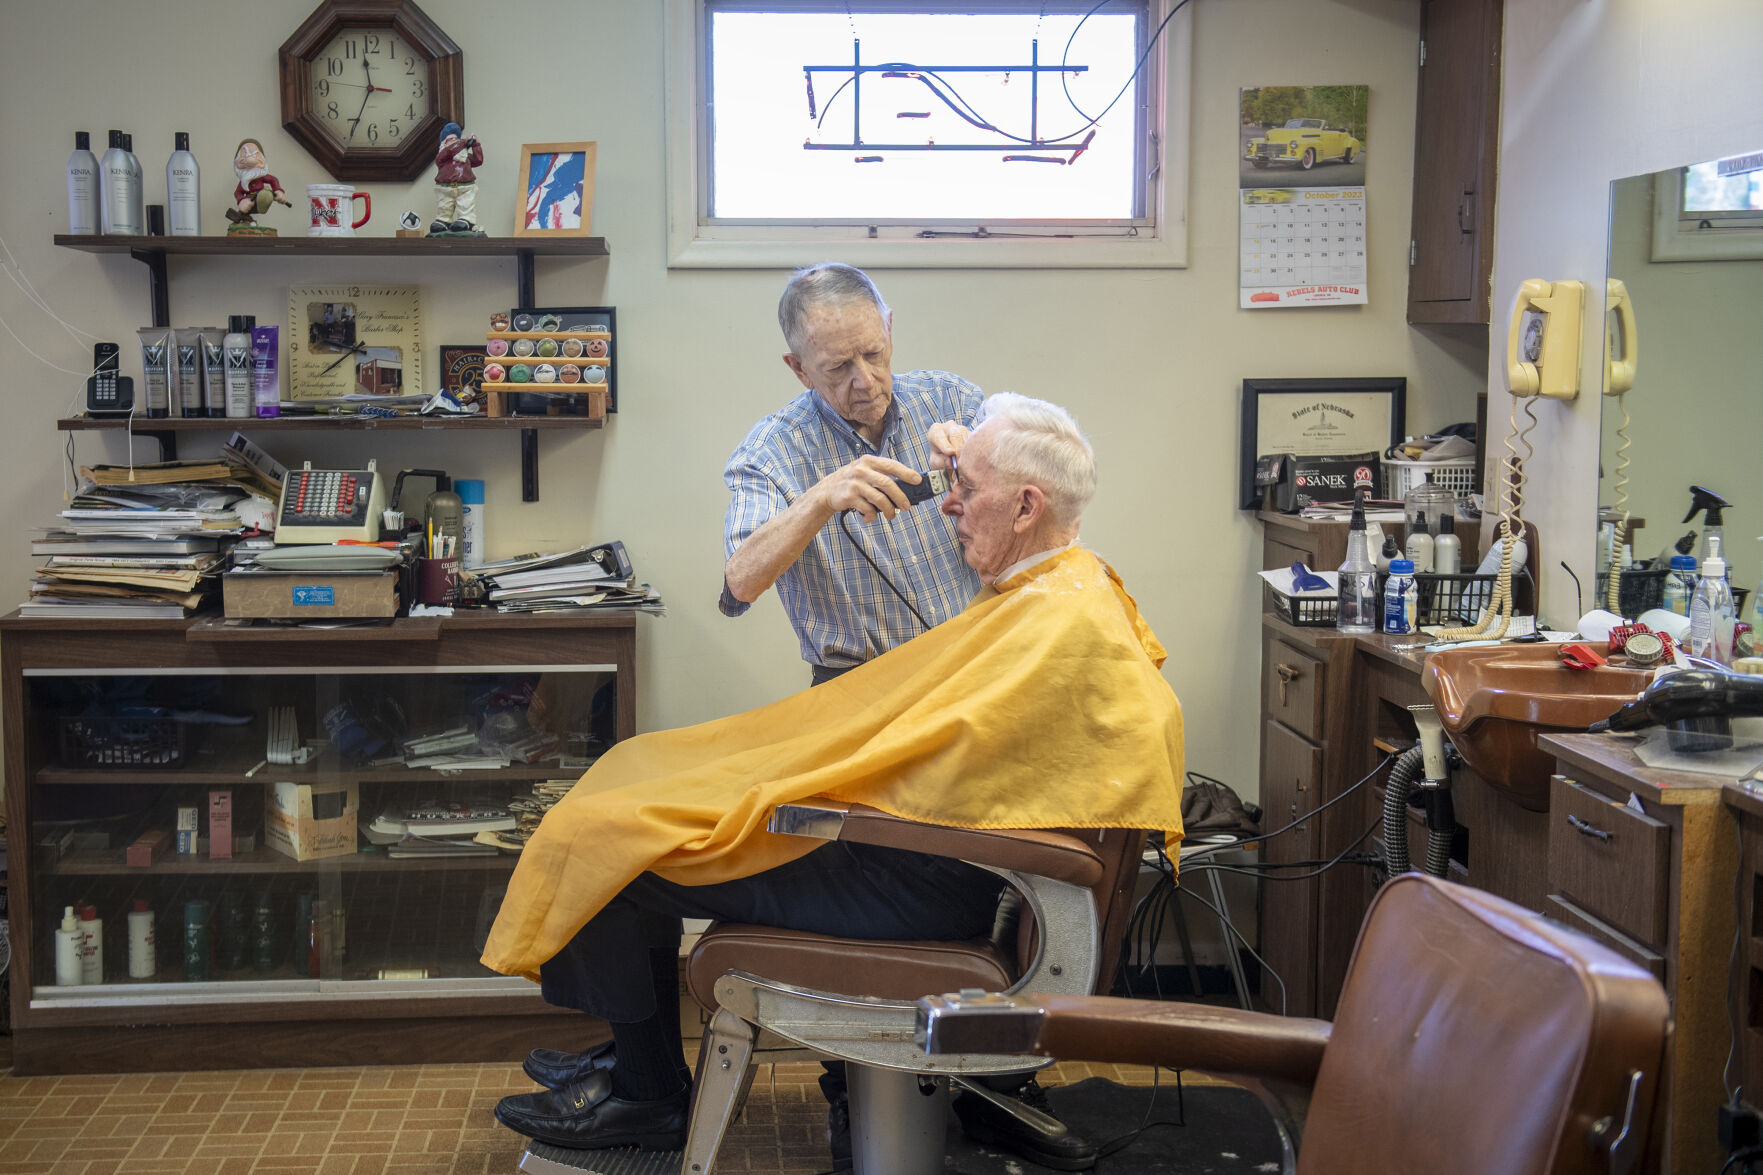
{"points": [[781, 995], [1472, 1036]]}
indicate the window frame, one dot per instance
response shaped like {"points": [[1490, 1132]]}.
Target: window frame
{"points": [[694, 242], [1677, 236]]}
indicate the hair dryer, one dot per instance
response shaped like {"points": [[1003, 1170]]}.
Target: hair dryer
{"points": [[1695, 703]]}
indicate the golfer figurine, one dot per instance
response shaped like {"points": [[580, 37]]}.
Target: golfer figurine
{"points": [[456, 184]]}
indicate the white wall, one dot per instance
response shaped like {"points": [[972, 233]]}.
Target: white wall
{"points": [[1150, 362], [1595, 90]]}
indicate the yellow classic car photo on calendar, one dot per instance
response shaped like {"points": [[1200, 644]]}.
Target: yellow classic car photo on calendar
{"points": [[1306, 135]]}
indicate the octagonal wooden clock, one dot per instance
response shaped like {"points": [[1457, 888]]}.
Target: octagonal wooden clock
{"points": [[367, 86]]}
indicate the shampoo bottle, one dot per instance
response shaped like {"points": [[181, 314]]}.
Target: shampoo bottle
{"points": [[143, 955], [117, 198], [82, 187], [91, 946], [67, 950], [237, 348], [183, 207], [1447, 548], [138, 209]]}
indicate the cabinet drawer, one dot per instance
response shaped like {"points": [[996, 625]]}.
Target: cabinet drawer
{"points": [[1291, 688], [1611, 860], [1564, 911]]}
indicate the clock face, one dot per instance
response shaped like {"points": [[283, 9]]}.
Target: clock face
{"points": [[370, 88]]}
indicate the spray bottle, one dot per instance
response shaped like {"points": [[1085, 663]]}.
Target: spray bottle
{"points": [[1703, 499], [1357, 609]]}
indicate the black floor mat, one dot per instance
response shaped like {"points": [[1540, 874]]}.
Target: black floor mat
{"points": [[1227, 1132]]}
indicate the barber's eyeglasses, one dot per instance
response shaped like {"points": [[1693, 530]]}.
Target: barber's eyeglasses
{"points": [[961, 479]]}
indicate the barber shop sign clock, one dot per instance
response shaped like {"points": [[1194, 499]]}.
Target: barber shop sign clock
{"points": [[367, 86]]}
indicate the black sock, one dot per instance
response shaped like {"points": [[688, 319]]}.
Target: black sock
{"points": [[651, 1063]]}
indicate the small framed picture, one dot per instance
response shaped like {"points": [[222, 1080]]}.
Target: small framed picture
{"points": [[556, 196], [462, 368], [1317, 418]]}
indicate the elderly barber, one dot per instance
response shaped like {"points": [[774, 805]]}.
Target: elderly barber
{"points": [[669, 825], [839, 446]]}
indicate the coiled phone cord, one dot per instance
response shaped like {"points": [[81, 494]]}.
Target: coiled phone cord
{"points": [[1613, 592], [1511, 526]]}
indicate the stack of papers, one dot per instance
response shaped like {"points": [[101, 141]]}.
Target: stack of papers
{"points": [[598, 576], [438, 828], [529, 810], [147, 550]]}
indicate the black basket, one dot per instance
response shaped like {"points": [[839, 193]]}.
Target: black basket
{"points": [[1640, 590], [1304, 611], [101, 740], [1455, 598]]}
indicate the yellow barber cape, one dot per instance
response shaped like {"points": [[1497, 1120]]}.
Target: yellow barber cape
{"points": [[1039, 706]]}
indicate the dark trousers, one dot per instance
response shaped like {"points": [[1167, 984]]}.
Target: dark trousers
{"points": [[847, 890]]}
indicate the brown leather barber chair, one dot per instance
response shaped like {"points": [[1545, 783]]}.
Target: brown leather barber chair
{"points": [[1472, 1037], [781, 994]]}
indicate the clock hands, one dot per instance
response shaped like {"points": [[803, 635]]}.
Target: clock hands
{"points": [[357, 349]]}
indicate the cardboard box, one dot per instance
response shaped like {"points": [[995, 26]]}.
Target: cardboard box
{"points": [[188, 831], [148, 847], [311, 821], [252, 595], [220, 824]]}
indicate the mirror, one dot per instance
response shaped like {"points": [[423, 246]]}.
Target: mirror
{"points": [[1695, 408]]}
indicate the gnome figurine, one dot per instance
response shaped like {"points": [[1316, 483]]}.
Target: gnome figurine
{"points": [[257, 190], [456, 184]]}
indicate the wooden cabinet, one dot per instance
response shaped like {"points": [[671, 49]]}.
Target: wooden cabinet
{"points": [[1643, 860], [1291, 775], [1456, 142], [115, 731]]}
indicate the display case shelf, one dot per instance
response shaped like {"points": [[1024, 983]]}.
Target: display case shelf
{"points": [[109, 863]]}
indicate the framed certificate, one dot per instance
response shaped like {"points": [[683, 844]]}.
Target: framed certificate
{"points": [[1317, 418], [354, 340]]}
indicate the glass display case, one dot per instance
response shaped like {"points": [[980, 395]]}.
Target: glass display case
{"points": [[313, 832]]}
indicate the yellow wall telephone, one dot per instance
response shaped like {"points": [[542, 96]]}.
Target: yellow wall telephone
{"points": [[1542, 346], [1622, 346]]}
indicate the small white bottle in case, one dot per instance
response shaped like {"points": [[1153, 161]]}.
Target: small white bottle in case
{"points": [[91, 946], [143, 954], [67, 951], [1418, 548], [237, 348], [183, 206], [82, 187], [1447, 548]]}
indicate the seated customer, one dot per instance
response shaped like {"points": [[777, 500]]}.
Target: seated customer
{"points": [[1039, 706]]}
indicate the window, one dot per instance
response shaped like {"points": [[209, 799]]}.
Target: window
{"points": [[1709, 211], [913, 133]]}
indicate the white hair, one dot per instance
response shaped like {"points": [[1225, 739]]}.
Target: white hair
{"points": [[830, 283], [1041, 445]]}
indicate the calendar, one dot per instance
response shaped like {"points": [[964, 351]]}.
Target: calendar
{"points": [[1302, 246]]}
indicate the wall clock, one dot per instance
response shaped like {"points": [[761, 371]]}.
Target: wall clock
{"points": [[367, 86]]}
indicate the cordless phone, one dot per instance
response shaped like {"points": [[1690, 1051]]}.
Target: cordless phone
{"points": [[108, 393]]}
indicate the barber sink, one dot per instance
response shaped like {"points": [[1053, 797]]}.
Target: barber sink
{"points": [[1494, 700]]}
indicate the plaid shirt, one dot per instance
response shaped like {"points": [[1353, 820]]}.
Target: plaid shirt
{"points": [[842, 612]]}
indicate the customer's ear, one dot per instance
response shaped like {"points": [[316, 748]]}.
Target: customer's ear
{"points": [[1031, 507], [794, 363]]}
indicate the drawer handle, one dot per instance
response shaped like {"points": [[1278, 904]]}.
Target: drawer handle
{"points": [[1587, 829], [1287, 675]]}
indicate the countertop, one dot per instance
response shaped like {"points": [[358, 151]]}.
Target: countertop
{"points": [[1612, 756]]}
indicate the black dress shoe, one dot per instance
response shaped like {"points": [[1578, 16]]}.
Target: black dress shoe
{"points": [[585, 1116], [1060, 1149], [554, 1070]]}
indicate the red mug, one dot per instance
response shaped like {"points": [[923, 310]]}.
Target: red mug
{"points": [[329, 207]]}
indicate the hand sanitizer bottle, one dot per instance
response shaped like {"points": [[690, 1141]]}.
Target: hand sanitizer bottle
{"points": [[1711, 614], [1356, 610]]}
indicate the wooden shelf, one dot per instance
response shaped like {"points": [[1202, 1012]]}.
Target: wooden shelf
{"points": [[149, 425], [153, 251], [303, 246]]}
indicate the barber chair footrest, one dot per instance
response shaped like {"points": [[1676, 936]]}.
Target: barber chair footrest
{"points": [[544, 1159]]}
